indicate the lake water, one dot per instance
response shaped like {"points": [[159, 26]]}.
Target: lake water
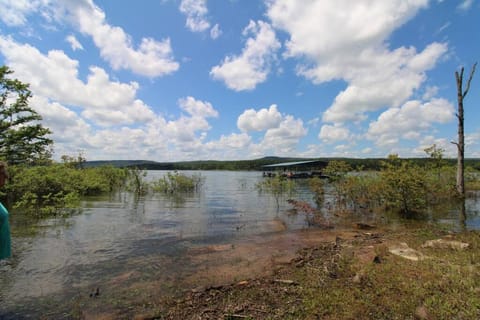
{"points": [[135, 248]]}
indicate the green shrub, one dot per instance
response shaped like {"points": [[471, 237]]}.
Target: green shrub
{"points": [[46, 190], [175, 182]]}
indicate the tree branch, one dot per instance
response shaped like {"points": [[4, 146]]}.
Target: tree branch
{"points": [[469, 79]]}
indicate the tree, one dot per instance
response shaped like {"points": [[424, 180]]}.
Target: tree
{"points": [[23, 139], [461, 136]]}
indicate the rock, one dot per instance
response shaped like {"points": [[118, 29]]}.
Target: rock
{"points": [[282, 281], [404, 251], [359, 276], [445, 244], [421, 313]]}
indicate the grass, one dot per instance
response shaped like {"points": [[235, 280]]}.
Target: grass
{"points": [[446, 285]]}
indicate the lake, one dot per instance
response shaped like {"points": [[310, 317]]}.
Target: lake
{"points": [[119, 251]]}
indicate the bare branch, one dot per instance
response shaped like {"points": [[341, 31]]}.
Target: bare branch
{"points": [[469, 79], [459, 77]]}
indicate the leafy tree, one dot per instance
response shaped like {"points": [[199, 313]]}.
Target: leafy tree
{"points": [[22, 137], [404, 185], [337, 169]]}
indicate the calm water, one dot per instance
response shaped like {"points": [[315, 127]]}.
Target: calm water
{"points": [[110, 234], [116, 241]]}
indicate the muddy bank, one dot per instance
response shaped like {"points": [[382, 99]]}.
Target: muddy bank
{"points": [[358, 275], [131, 294], [275, 294]]}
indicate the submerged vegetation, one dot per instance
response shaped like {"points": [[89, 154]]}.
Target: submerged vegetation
{"points": [[42, 191], [175, 182], [400, 185], [278, 186], [56, 189]]}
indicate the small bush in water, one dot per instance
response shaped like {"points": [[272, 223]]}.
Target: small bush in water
{"points": [[177, 182]]}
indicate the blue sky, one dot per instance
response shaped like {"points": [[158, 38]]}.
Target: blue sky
{"points": [[170, 80]]}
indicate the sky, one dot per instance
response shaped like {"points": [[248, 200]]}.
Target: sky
{"points": [[174, 80]]}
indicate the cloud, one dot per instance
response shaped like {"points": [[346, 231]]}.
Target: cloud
{"points": [[331, 134], [215, 32], [67, 127], [74, 43], [409, 121], [465, 5], [233, 146], [196, 11], [264, 119], [152, 58], [246, 71], [15, 12], [55, 75], [197, 108], [283, 139], [333, 42], [282, 132]]}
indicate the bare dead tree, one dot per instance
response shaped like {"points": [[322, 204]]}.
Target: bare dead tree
{"points": [[461, 94]]}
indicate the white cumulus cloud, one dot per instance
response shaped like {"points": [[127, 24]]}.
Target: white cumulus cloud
{"points": [[196, 11], [246, 71], [55, 76], [264, 119], [347, 40], [74, 43], [151, 58], [409, 121], [197, 108], [330, 134]]}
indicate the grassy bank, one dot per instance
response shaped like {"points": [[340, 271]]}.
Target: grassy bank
{"points": [[357, 278]]}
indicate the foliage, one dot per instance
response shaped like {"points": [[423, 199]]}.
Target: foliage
{"points": [[22, 138], [74, 162], [337, 169], [48, 190], [360, 192], [317, 186], [277, 186], [136, 181], [401, 185], [175, 182], [404, 185]]}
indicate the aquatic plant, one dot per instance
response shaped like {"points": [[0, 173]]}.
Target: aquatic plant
{"points": [[173, 183], [277, 186]]}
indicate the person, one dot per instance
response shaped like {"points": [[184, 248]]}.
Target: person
{"points": [[5, 249]]}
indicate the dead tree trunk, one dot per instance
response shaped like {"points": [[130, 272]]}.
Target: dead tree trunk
{"points": [[461, 135]]}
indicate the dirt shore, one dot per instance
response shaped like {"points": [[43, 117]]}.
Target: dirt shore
{"points": [[336, 274]]}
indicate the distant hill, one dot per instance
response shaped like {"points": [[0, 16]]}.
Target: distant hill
{"points": [[255, 164]]}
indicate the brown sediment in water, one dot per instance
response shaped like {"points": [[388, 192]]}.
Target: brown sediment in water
{"points": [[255, 257], [152, 279]]}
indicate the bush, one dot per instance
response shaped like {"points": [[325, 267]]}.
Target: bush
{"points": [[177, 183], [47, 190]]}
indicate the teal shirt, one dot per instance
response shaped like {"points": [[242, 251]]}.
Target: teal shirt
{"points": [[5, 251]]}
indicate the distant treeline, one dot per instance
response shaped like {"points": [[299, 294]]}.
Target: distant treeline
{"points": [[257, 164]]}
